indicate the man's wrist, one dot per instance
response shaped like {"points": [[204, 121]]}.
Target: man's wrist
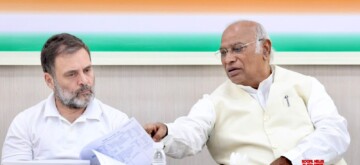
{"points": [[286, 159], [167, 130]]}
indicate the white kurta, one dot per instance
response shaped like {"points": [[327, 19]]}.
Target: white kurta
{"points": [[188, 135]]}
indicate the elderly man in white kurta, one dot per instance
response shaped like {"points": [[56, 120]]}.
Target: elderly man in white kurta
{"points": [[266, 113]]}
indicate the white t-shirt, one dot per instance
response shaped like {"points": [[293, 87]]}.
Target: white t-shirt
{"points": [[40, 132]]}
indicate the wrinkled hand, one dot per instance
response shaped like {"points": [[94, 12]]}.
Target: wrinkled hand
{"points": [[156, 130], [281, 161]]}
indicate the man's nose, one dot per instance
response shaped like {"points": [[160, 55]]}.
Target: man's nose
{"points": [[229, 57], [83, 79]]}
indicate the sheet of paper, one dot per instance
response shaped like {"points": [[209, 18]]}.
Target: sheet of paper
{"points": [[48, 162], [129, 144], [103, 159]]}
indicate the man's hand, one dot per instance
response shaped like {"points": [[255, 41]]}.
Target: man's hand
{"points": [[281, 161], [156, 130]]}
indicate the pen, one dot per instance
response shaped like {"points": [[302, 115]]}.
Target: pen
{"points": [[287, 100]]}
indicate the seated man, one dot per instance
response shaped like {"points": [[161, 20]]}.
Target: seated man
{"points": [[264, 112], [71, 117]]}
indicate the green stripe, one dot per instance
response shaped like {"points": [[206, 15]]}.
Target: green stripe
{"points": [[183, 42], [316, 42]]}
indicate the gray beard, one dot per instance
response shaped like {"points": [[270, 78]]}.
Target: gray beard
{"points": [[72, 100]]}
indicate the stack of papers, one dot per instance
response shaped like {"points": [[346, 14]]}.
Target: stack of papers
{"points": [[129, 145]]}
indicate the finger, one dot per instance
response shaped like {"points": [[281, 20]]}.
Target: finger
{"points": [[150, 129], [160, 132]]}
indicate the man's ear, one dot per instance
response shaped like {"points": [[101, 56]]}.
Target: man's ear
{"points": [[49, 80], [266, 49]]}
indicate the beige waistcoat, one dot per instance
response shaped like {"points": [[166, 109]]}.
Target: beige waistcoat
{"points": [[243, 126]]}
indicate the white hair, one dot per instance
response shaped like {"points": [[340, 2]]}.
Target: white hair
{"points": [[261, 35]]}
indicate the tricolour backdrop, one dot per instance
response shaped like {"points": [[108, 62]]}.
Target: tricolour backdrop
{"points": [[187, 32]]}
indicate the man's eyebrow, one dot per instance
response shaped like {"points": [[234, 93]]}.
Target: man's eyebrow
{"points": [[89, 66], [74, 70], [236, 43], [70, 71]]}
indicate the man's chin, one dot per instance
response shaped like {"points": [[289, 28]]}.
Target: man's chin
{"points": [[236, 80], [81, 102], [78, 104]]}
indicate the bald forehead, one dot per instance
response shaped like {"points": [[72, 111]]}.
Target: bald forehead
{"points": [[241, 31], [242, 27]]}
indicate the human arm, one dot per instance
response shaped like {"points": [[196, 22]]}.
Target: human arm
{"points": [[17, 144], [330, 139], [186, 135]]}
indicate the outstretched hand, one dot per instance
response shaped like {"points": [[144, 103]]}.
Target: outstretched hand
{"points": [[157, 131]]}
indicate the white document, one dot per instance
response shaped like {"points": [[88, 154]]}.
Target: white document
{"points": [[129, 145], [48, 162], [103, 159]]}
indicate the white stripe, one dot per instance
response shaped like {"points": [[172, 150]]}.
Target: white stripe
{"points": [[174, 23], [188, 58]]}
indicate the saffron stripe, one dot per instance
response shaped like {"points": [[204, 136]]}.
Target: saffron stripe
{"points": [[166, 6]]}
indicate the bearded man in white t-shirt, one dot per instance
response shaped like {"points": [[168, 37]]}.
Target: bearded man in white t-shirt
{"points": [[71, 117]]}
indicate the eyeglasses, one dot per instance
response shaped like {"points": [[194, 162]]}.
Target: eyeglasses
{"points": [[236, 48]]}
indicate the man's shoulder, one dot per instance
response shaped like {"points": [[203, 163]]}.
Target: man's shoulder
{"points": [[109, 110], [35, 108], [31, 113], [283, 74], [224, 88]]}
